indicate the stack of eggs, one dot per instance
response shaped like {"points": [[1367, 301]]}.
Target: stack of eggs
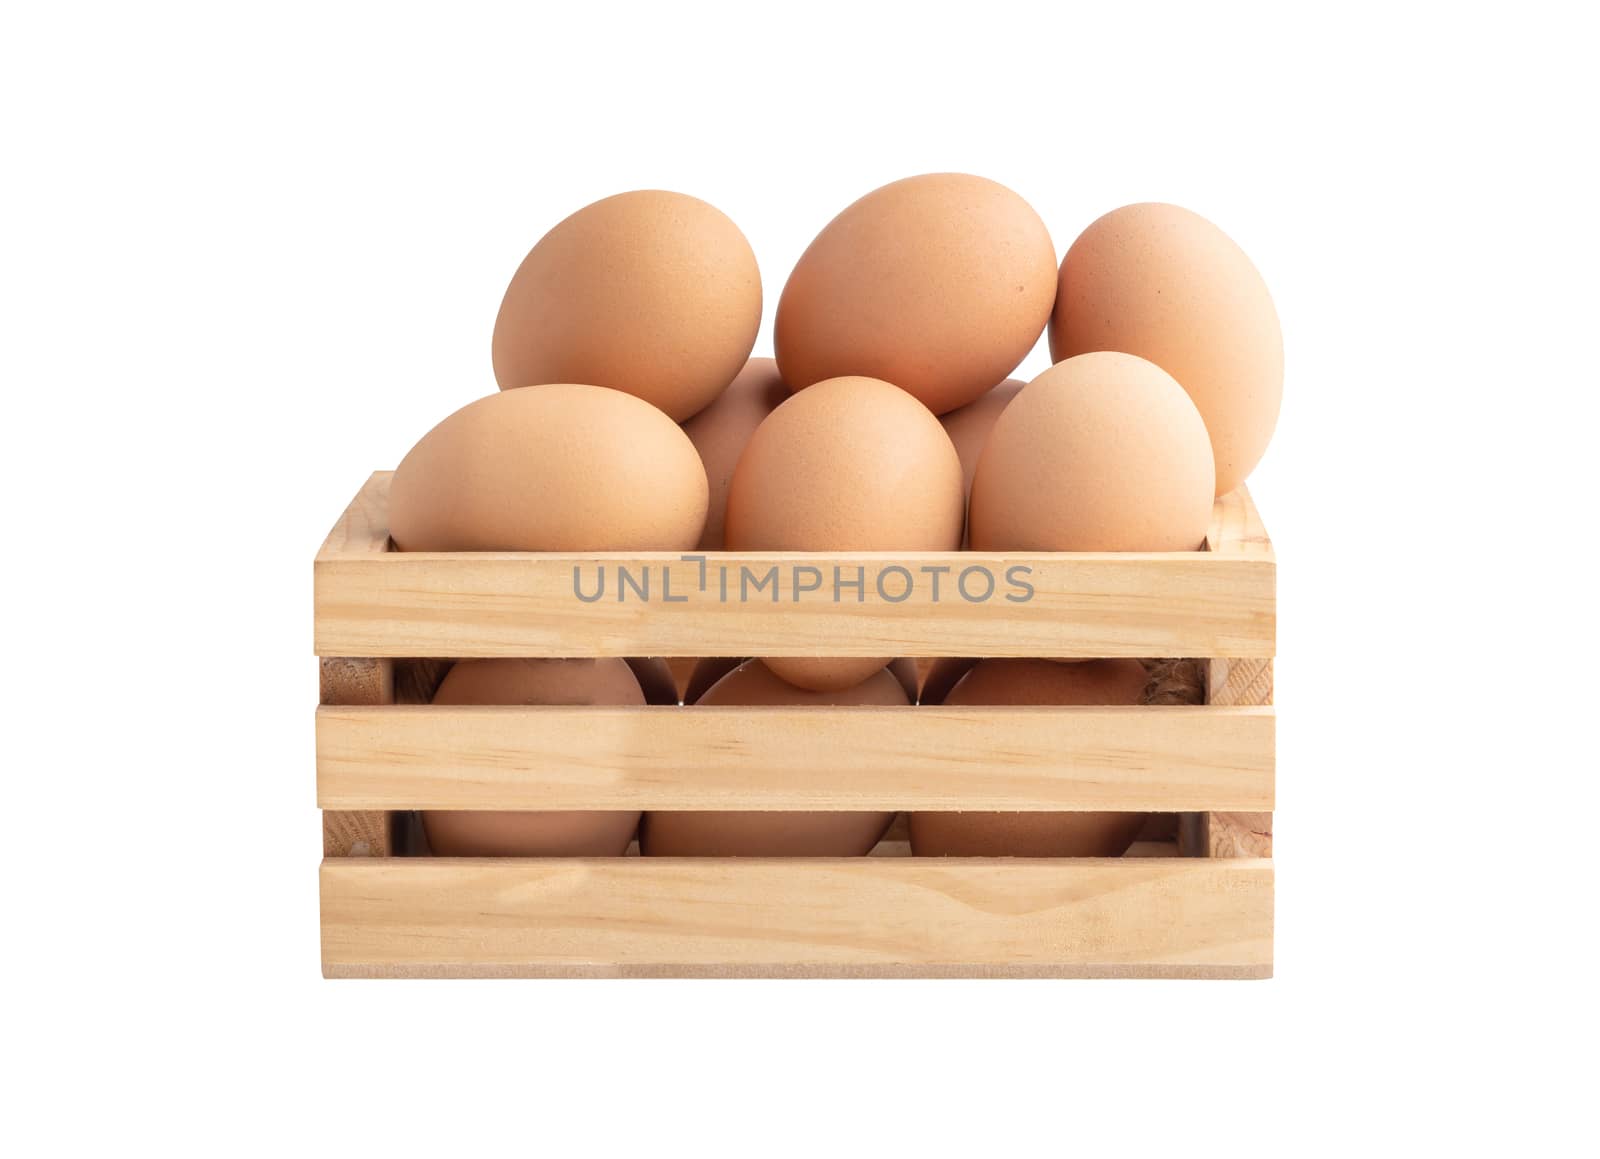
{"points": [[631, 417]]}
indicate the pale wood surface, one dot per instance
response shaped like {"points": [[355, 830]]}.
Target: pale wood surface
{"points": [[1002, 917], [1125, 758], [885, 915], [357, 833], [1238, 834], [362, 532], [1235, 682], [363, 529], [401, 604], [1236, 527]]}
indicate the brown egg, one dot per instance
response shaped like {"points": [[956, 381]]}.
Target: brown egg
{"points": [[776, 833], [940, 284], [707, 672], [655, 679], [649, 292], [851, 464], [824, 673], [713, 668], [984, 834], [943, 675], [1103, 452], [905, 671], [522, 833], [721, 431], [969, 427], [550, 468], [1165, 284]]}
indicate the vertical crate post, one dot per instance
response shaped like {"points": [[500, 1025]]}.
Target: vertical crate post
{"points": [[364, 833], [1237, 682], [363, 530], [1236, 529]]}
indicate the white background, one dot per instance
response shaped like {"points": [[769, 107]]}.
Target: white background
{"points": [[252, 252]]}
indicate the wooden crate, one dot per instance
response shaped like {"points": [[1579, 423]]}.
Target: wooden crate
{"points": [[1199, 906]]}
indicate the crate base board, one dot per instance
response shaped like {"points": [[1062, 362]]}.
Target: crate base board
{"points": [[805, 970], [821, 918]]}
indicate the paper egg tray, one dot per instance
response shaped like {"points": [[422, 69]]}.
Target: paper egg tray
{"points": [[1201, 907]]}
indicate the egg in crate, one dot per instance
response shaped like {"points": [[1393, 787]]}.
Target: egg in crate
{"points": [[969, 427], [939, 283], [655, 679], [558, 467], [1102, 452], [522, 833], [649, 292], [850, 464], [773, 833], [1164, 283], [1020, 834], [710, 669], [721, 431]]}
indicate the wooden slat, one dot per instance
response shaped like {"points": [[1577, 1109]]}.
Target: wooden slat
{"points": [[363, 529], [365, 832], [506, 604], [1235, 682], [1236, 527], [1136, 759], [373, 602], [869, 916]]}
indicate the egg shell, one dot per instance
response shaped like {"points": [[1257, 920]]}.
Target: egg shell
{"points": [[850, 464], [722, 430], [1103, 452], [711, 669], [969, 427], [522, 833], [649, 292], [905, 671], [988, 834], [1164, 283], [940, 284], [561, 467], [655, 679], [943, 675], [706, 672], [775, 833], [825, 673]]}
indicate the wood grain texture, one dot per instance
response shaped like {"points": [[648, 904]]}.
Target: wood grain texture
{"points": [[362, 832], [1238, 834], [1125, 758], [854, 917], [407, 604], [1236, 527], [1234, 683], [363, 528]]}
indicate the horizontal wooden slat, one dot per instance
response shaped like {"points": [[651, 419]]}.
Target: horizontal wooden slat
{"points": [[870, 916], [1167, 759], [371, 602], [504, 604]]}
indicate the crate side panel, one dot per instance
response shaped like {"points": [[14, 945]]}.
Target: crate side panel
{"points": [[1134, 759], [822, 917], [367, 831], [417, 604], [1230, 832]]}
